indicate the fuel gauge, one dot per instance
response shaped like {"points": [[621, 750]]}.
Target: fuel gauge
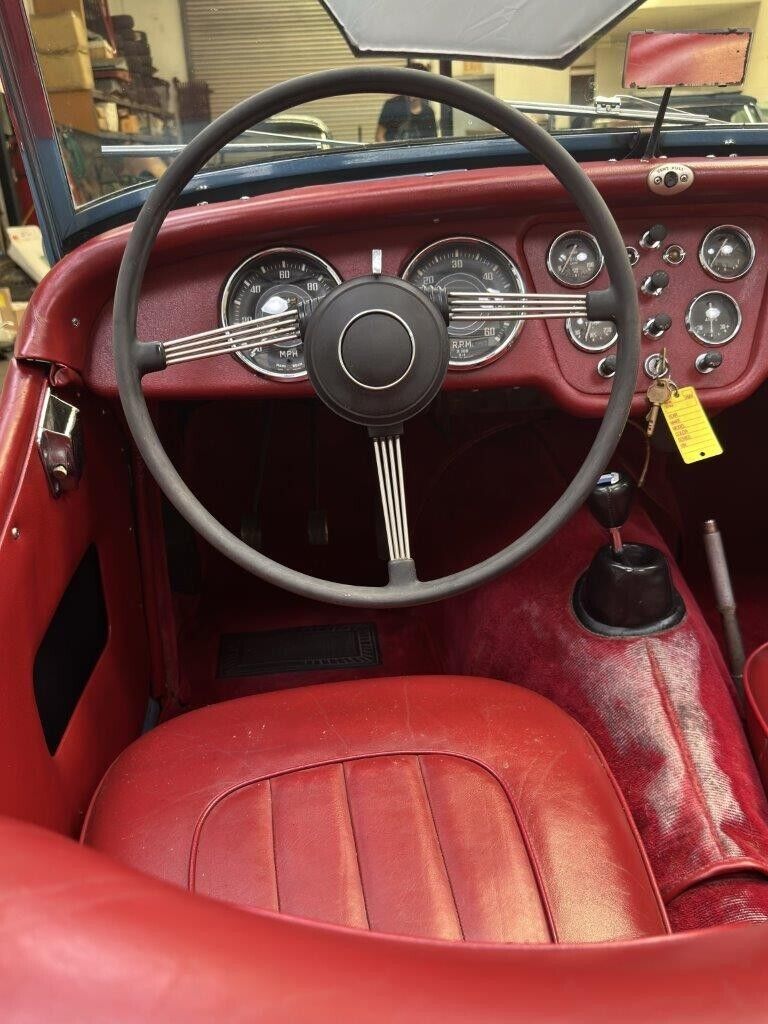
{"points": [[574, 258], [713, 318]]}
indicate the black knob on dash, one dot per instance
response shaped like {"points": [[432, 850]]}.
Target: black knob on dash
{"points": [[655, 283], [657, 325], [654, 236]]}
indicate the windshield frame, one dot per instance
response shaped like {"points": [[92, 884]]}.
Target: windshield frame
{"points": [[64, 225]]}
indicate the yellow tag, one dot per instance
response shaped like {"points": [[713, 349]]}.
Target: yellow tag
{"points": [[689, 426]]}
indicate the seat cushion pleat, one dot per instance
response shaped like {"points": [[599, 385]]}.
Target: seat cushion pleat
{"points": [[407, 888], [317, 870], [232, 859], [496, 890]]}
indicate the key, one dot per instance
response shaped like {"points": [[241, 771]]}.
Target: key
{"points": [[659, 392]]}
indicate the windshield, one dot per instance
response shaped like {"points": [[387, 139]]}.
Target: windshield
{"points": [[129, 82]]}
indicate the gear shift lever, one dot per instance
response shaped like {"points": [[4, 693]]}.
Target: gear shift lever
{"points": [[627, 589], [610, 503]]}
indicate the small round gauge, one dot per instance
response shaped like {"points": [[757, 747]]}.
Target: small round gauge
{"points": [[713, 318], [468, 265], [574, 258], [727, 252], [591, 335], [276, 281]]}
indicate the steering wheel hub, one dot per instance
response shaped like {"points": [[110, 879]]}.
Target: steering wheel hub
{"points": [[377, 351], [381, 365]]}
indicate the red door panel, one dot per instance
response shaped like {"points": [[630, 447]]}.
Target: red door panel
{"points": [[42, 542]]}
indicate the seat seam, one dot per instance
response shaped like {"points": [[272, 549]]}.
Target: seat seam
{"points": [[274, 842], [533, 860], [343, 766], [440, 845]]}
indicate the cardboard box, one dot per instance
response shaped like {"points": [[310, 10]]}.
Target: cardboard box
{"points": [[59, 33], [62, 47], [67, 71], [100, 50], [75, 109], [107, 116], [130, 124], [45, 7]]}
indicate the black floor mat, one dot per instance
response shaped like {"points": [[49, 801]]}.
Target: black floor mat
{"points": [[298, 650]]}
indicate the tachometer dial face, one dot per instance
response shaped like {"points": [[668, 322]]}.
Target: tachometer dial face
{"points": [[468, 265], [574, 259], [713, 318], [276, 281], [591, 335], [727, 252]]}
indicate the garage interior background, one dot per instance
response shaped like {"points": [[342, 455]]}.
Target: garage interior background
{"points": [[150, 73]]}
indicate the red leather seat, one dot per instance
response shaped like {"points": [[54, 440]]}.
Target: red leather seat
{"points": [[443, 807]]}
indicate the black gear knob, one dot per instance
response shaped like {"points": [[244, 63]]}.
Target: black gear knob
{"points": [[611, 500]]}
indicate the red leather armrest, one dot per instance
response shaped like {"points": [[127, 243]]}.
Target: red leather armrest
{"points": [[84, 939]]}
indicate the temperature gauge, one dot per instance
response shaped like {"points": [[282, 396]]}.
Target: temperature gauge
{"points": [[591, 335], [574, 258], [713, 318]]}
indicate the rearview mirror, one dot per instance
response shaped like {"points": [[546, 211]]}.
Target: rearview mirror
{"points": [[670, 59]]}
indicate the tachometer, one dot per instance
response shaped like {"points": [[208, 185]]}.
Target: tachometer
{"points": [[727, 252], [574, 258], [468, 265], [713, 318], [275, 281]]}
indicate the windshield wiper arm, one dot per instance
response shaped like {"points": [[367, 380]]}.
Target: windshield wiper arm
{"points": [[171, 149], [616, 107]]}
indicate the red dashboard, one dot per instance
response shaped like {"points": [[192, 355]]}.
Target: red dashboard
{"points": [[520, 210]]}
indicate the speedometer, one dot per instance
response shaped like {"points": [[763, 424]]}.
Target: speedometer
{"points": [[468, 265], [276, 281]]}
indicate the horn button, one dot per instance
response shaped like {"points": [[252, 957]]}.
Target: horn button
{"points": [[377, 351]]}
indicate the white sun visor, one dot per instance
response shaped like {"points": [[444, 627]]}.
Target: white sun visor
{"points": [[546, 32]]}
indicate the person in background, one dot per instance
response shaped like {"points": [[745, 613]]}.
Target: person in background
{"points": [[406, 117]]}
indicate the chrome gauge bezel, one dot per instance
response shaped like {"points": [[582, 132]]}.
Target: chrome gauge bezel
{"points": [[745, 235], [511, 266], [583, 234], [279, 250], [588, 348], [703, 341]]}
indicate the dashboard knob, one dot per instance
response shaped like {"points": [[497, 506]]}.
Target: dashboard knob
{"points": [[655, 283], [657, 325], [653, 237], [607, 366], [709, 361]]}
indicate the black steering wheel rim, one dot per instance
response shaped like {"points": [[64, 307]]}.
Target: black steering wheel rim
{"points": [[619, 302]]}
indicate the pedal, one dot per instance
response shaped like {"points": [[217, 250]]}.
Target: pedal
{"points": [[317, 527], [250, 530]]}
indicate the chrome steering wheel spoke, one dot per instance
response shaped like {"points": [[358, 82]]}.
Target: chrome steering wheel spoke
{"points": [[273, 329], [464, 306], [389, 469]]}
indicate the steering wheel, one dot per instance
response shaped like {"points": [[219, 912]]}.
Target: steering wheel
{"points": [[376, 347]]}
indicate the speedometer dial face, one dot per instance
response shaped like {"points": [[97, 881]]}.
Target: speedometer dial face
{"points": [[727, 252], [713, 318], [574, 258], [468, 265], [276, 281]]}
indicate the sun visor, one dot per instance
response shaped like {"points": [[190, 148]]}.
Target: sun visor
{"points": [[545, 32]]}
